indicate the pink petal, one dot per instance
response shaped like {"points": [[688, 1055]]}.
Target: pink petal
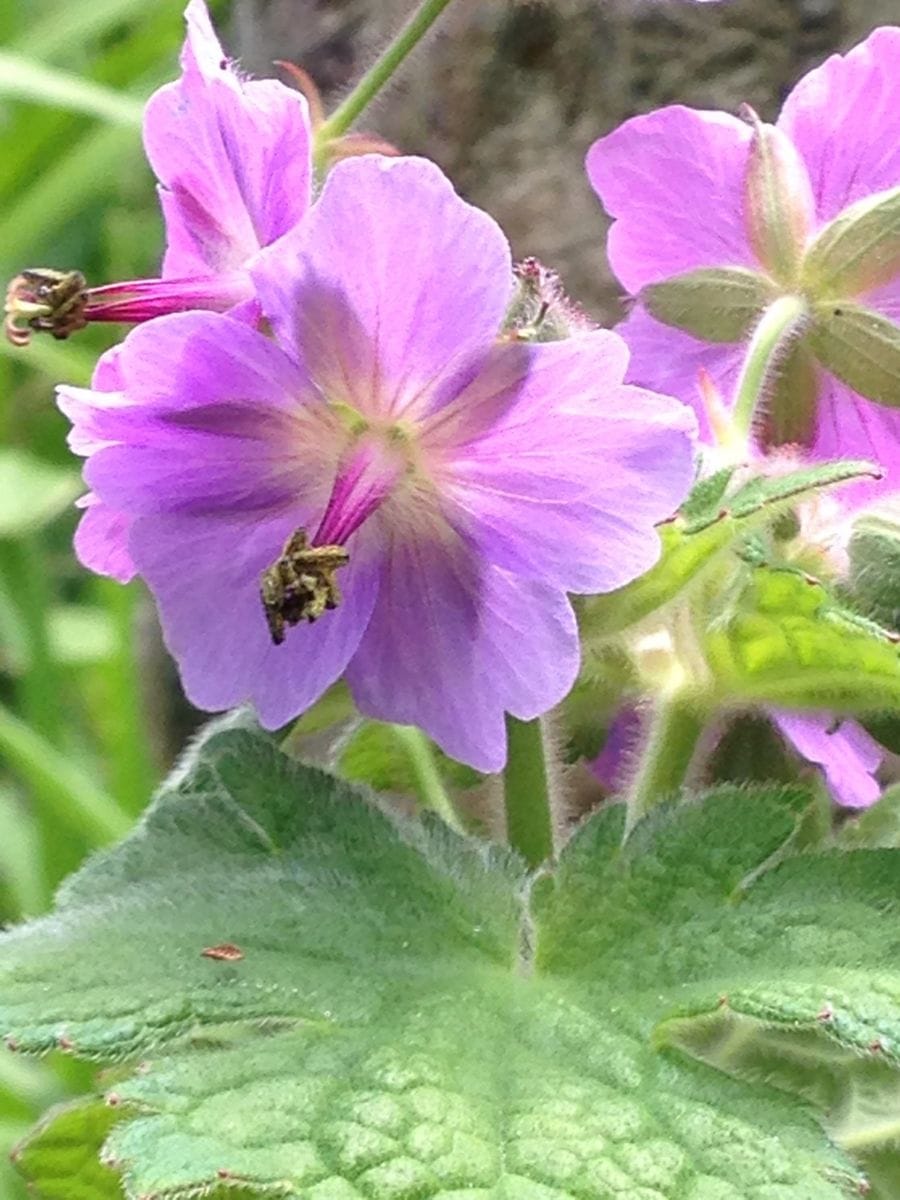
{"points": [[847, 426], [670, 361], [844, 119], [212, 418], [673, 180], [389, 288], [101, 540], [559, 472], [205, 577], [848, 755], [452, 646], [233, 157]]}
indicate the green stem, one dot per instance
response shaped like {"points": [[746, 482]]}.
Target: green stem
{"points": [[526, 792], [379, 74], [432, 792], [77, 802], [675, 729], [775, 327]]}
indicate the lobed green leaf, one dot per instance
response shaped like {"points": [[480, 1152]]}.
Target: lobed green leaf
{"points": [[328, 1004]]}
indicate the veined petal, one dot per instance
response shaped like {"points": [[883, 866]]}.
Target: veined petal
{"points": [[670, 361], [391, 289], [453, 645], [844, 118], [847, 426], [101, 540], [192, 360], [86, 407], [848, 755], [232, 156], [560, 471], [211, 416], [205, 577], [674, 183]]}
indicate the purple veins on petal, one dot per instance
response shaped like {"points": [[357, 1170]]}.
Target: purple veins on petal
{"points": [[384, 490]]}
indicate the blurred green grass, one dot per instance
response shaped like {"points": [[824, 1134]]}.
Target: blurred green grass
{"points": [[76, 764]]}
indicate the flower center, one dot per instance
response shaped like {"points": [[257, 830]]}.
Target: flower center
{"points": [[300, 585]]}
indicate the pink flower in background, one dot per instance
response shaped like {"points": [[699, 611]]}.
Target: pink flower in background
{"points": [[387, 458], [808, 208], [232, 157], [233, 160], [848, 756]]}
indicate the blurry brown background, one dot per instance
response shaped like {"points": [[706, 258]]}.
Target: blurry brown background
{"points": [[507, 95]]}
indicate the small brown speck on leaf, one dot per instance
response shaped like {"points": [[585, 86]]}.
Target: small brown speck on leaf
{"points": [[224, 952]]}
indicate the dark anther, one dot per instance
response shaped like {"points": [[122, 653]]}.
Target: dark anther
{"points": [[43, 300], [300, 584]]}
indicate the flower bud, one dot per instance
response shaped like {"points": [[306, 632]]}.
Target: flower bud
{"points": [[778, 201], [540, 310]]}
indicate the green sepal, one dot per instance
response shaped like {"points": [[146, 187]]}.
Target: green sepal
{"points": [[788, 417], [767, 495], [858, 250], [875, 570], [860, 347], [717, 304], [403, 1014], [777, 199]]}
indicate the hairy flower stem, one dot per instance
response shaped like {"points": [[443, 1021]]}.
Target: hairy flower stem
{"points": [[675, 729], [773, 332], [526, 792], [378, 75], [432, 793]]}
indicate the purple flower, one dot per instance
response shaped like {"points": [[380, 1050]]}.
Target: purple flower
{"points": [[386, 457], [233, 160], [806, 208], [848, 756], [232, 157]]}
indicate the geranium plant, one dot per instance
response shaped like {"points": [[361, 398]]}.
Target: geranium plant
{"points": [[417, 528]]}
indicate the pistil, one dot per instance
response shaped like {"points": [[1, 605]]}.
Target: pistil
{"points": [[301, 585], [42, 300]]}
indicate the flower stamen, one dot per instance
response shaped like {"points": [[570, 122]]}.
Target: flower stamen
{"points": [[300, 584], [42, 299]]}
